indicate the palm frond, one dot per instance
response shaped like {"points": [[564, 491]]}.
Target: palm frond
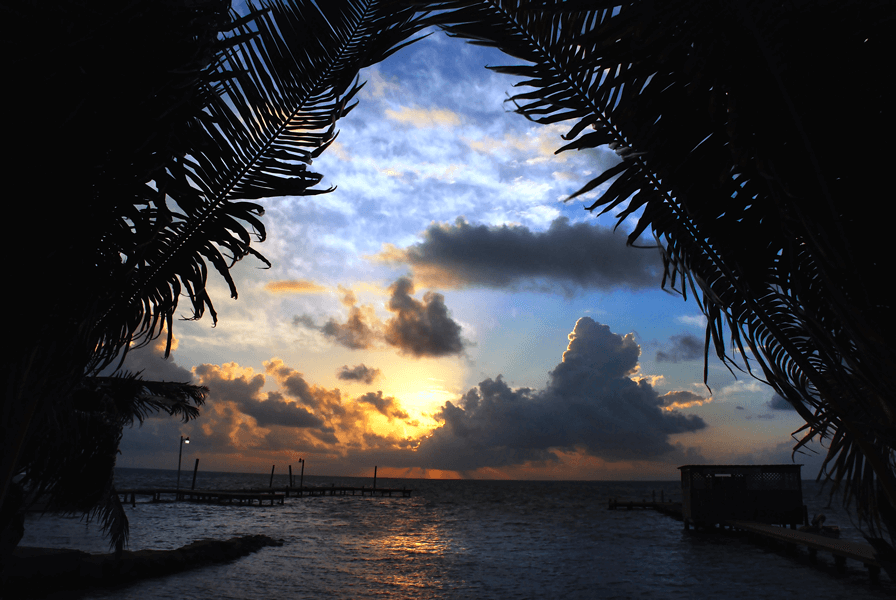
{"points": [[70, 462], [723, 127], [284, 77]]}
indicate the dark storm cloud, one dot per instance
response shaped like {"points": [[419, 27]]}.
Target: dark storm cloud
{"points": [[355, 333], [386, 406], [421, 328], [578, 255], [684, 347], [590, 403], [276, 411], [244, 393], [360, 373], [778, 402]]}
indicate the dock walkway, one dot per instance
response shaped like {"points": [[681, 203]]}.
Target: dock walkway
{"points": [[261, 495], [219, 496], [840, 549]]}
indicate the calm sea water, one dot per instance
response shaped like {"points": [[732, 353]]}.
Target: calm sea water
{"points": [[461, 539]]}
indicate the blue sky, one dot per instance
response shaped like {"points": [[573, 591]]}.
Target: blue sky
{"points": [[444, 313]]}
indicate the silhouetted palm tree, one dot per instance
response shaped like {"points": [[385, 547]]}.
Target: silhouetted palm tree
{"points": [[753, 137], [140, 134]]}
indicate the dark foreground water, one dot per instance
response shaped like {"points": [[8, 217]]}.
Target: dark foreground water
{"points": [[461, 539]]}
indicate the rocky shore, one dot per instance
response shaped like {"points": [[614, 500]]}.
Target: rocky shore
{"points": [[47, 572]]}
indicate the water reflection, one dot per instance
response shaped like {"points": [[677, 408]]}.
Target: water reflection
{"points": [[462, 539]]}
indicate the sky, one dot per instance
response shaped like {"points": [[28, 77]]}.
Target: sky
{"points": [[445, 313]]}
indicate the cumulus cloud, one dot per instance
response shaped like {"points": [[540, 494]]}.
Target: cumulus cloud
{"points": [[241, 416], [779, 402], [151, 363], [418, 328], [386, 406], [590, 404], [267, 409], [359, 331], [683, 347], [421, 328], [356, 333], [361, 373], [574, 256]]}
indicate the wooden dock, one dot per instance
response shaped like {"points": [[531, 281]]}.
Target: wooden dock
{"points": [[261, 495], [334, 490], [219, 496], [672, 509], [840, 549]]}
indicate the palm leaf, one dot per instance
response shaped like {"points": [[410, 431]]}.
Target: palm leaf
{"points": [[282, 89], [718, 115], [70, 461], [174, 116]]}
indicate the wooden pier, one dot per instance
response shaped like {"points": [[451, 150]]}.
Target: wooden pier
{"points": [[219, 496], [261, 495], [334, 490], [840, 549]]}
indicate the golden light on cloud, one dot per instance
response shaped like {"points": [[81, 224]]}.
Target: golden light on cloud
{"points": [[390, 172], [424, 118], [162, 342], [653, 380], [542, 144], [339, 151], [425, 275], [294, 286], [682, 399]]}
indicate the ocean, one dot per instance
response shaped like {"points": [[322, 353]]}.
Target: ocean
{"points": [[460, 539]]}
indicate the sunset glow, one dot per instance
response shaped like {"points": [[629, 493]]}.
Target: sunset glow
{"points": [[445, 314]]}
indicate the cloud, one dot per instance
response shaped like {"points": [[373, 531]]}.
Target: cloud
{"points": [[150, 361], [590, 404], [386, 406], [306, 321], [682, 399], [419, 328], [360, 373], [267, 409], [275, 411], [294, 286], [356, 333], [698, 321], [779, 402], [240, 416], [579, 255], [424, 118], [684, 347]]}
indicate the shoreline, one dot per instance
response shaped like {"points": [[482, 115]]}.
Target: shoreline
{"points": [[32, 572]]}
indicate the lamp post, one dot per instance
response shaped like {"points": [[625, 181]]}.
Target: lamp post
{"points": [[180, 453]]}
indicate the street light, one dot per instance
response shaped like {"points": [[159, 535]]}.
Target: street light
{"points": [[183, 440]]}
